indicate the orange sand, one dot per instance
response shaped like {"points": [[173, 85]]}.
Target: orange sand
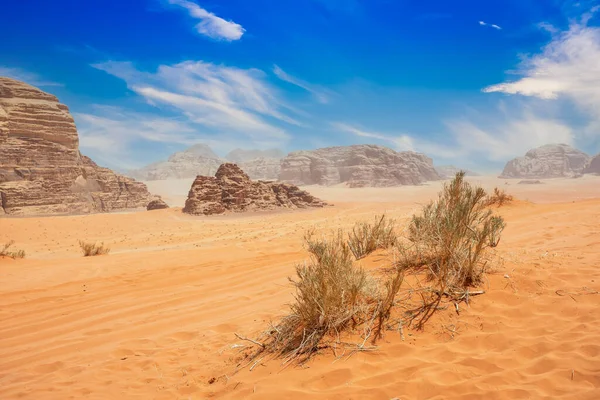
{"points": [[155, 319]]}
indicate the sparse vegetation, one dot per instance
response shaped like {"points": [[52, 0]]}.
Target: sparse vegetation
{"points": [[331, 294], [445, 250], [498, 198], [93, 249], [365, 238], [14, 254]]}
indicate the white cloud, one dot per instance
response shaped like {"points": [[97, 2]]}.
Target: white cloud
{"points": [[482, 23], [567, 68], [25, 76], [211, 25], [322, 95], [211, 95]]}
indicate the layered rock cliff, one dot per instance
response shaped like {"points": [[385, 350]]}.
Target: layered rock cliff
{"points": [[41, 168], [232, 190], [549, 161], [357, 166]]}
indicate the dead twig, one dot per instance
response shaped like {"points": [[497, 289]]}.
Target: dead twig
{"points": [[250, 340]]}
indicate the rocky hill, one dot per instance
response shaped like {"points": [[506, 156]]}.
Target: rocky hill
{"points": [[201, 160], [549, 161], [357, 166], [232, 190], [449, 171], [593, 166], [41, 168]]}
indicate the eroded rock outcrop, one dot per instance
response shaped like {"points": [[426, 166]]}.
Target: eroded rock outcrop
{"points": [[41, 168], [357, 166], [231, 189], [157, 204], [593, 166], [549, 161]]}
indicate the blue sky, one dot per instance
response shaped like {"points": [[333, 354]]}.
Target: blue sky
{"points": [[472, 83]]}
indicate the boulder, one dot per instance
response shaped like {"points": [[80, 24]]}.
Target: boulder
{"points": [[157, 204], [549, 161], [41, 168], [231, 189], [357, 166]]}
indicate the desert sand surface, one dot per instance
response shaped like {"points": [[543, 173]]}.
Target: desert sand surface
{"points": [[155, 319]]}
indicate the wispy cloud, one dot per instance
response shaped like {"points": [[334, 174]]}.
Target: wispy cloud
{"points": [[566, 68], [25, 76], [482, 23], [211, 25], [214, 96], [322, 95]]}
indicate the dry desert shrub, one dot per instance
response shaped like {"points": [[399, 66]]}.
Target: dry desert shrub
{"points": [[447, 244], [331, 295], [6, 252], [93, 249], [498, 198], [365, 237]]}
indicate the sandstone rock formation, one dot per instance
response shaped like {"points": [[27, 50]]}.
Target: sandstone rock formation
{"points": [[449, 171], [530, 182], [201, 160], [232, 190], [549, 161], [357, 166], [593, 166], [41, 169], [157, 204]]}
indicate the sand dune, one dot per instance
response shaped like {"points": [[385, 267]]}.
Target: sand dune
{"points": [[155, 319]]}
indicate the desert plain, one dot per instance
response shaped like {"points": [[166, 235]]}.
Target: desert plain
{"points": [[156, 318]]}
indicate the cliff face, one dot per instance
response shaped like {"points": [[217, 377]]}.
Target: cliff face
{"points": [[232, 190], [357, 166], [41, 169], [549, 161]]}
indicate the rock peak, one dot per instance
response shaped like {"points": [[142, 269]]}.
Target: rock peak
{"points": [[548, 161], [41, 168], [232, 190]]}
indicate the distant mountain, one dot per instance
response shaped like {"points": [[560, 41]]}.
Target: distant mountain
{"points": [[593, 166], [549, 161], [357, 166], [201, 160], [449, 171], [241, 155]]}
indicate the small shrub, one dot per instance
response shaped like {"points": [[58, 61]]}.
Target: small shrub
{"points": [[451, 236], [498, 198], [365, 238], [93, 249], [331, 294], [5, 252]]}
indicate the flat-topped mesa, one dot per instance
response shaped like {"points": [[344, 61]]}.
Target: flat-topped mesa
{"points": [[231, 189], [41, 168], [357, 166], [548, 161]]}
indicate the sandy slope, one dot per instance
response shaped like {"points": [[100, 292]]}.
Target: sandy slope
{"points": [[156, 317]]}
